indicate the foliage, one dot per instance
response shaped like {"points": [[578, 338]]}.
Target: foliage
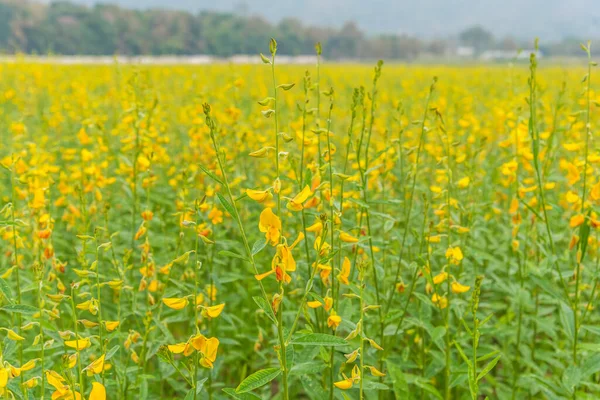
{"points": [[263, 231]]}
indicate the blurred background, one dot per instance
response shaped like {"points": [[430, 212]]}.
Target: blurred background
{"points": [[204, 31]]}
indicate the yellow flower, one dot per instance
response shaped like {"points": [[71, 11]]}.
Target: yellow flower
{"points": [[147, 215], [213, 311], [3, 377], [314, 304], [270, 225], [261, 153], [573, 175], [78, 344], [375, 371], [31, 383], [97, 366], [38, 198], [296, 203], [434, 239], [176, 348], [115, 284], [440, 301], [576, 220], [345, 272], [572, 197], [140, 232], [348, 382], [88, 324], [351, 357], [334, 320], [454, 255], [260, 196], [347, 238], [463, 183], [344, 385], [63, 391], [98, 391], [277, 186], [209, 352], [44, 233], [283, 262], [595, 192], [12, 335], [458, 288], [111, 325], [72, 360], [321, 246], [374, 344], [29, 365], [208, 347], [215, 215], [317, 227], [176, 303], [439, 278]]}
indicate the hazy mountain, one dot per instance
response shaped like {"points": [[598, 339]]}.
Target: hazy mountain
{"points": [[523, 19]]}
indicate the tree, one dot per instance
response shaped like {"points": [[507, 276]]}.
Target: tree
{"points": [[477, 37]]}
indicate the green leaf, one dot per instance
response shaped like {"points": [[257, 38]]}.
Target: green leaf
{"points": [[488, 355], [264, 59], [20, 309], [258, 379], [429, 388], [473, 386], [371, 385], [111, 352], [258, 246], [268, 113], [388, 225], [313, 388], [438, 333], [266, 307], [566, 319], [462, 354], [144, 389], [6, 291], [319, 339], [210, 173], [591, 365], [232, 254], [584, 233], [286, 86], [226, 205], [266, 101], [307, 368], [399, 383], [488, 367], [200, 385], [360, 203], [290, 355], [240, 396], [571, 378]]}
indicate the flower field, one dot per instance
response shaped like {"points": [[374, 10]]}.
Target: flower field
{"points": [[328, 231]]}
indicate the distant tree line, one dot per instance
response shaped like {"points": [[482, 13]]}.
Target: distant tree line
{"points": [[70, 29]]}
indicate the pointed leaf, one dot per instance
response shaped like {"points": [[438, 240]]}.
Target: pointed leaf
{"points": [[319, 339], [488, 367], [266, 307], [258, 379]]}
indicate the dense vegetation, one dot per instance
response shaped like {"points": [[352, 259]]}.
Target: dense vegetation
{"points": [[264, 232], [66, 28]]}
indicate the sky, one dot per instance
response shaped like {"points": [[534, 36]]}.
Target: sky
{"points": [[522, 19]]}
